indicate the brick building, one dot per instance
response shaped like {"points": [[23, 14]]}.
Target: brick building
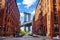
{"points": [[46, 19], [9, 18]]}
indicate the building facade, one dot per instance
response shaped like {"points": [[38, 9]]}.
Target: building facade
{"points": [[9, 18], [47, 18]]}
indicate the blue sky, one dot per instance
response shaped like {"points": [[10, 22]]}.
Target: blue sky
{"points": [[26, 6]]}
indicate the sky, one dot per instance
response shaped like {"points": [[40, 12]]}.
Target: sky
{"points": [[26, 6]]}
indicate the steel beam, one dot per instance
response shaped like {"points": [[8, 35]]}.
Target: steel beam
{"points": [[27, 16]]}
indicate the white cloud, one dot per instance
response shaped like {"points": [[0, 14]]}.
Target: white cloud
{"points": [[28, 2], [33, 12], [21, 14], [18, 4]]}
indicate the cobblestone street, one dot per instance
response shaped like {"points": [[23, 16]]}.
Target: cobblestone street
{"points": [[26, 37]]}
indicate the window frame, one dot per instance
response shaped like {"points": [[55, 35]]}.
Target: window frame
{"points": [[0, 5], [54, 8], [55, 17], [56, 27]]}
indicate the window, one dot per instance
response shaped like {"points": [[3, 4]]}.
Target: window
{"points": [[6, 1], [6, 9], [54, 8], [59, 2], [54, 1], [41, 23], [47, 1], [0, 27], [5, 28], [0, 6], [41, 0], [7, 19], [48, 9], [48, 17], [40, 15], [56, 28], [55, 17]]}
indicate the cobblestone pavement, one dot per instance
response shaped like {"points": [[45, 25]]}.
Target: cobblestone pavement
{"points": [[26, 37]]}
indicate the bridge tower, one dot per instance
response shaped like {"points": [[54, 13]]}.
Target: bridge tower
{"points": [[27, 19]]}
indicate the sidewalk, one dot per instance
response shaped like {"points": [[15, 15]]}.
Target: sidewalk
{"points": [[2, 38]]}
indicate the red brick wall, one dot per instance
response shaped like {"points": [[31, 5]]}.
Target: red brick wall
{"points": [[47, 13], [10, 18]]}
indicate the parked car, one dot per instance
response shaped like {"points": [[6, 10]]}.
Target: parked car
{"points": [[55, 38], [30, 34], [34, 35], [20, 35]]}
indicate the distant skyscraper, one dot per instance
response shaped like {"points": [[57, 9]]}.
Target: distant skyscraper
{"points": [[9, 18], [47, 18]]}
